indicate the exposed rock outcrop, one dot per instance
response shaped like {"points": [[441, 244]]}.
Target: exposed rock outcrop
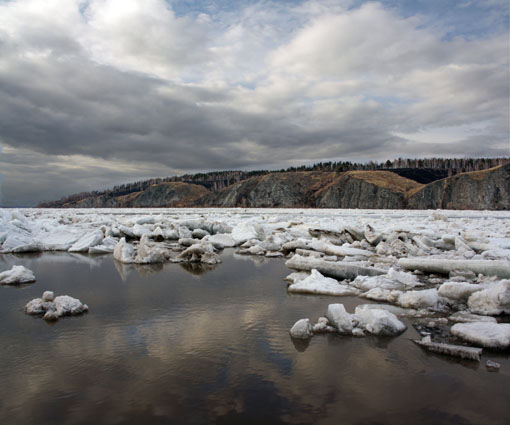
{"points": [[477, 190], [366, 189], [293, 189]]}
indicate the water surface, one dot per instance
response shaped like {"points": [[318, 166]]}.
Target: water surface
{"points": [[189, 345]]}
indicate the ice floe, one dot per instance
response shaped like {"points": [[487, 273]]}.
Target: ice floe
{"points": [[490, 335], [17, 275], [51, 307]]}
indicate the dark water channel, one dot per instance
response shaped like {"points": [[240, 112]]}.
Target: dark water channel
{"points": [[170, 345]]}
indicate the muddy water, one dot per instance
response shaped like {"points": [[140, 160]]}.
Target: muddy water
{"points": [[176, 345]]}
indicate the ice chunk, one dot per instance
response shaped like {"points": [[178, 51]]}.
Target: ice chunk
{"points": [[199, 233], [48, 296], [106, 247], [139, 230], [302, 329], [459, 291], [379, 322], [381, 294], [316, 283], [296, 277], [397, 311], [490, 335], [148, 253], [67, 306], [221, 240], [84, 243], [371, 236], [53, 308], [342, 251], [419, 299], [465, 317], [470, 353], [338, 270], [17, 275], [499, 268], [245, 231], [383, 248], [491, 301], [339, 318], [492, 366], [409, 280], [199, 253], [124, 252]]}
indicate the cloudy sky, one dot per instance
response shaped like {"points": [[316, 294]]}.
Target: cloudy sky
{"points": [[100, 92]]}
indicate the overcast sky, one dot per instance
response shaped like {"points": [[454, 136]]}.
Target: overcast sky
{"points": [[102, 92]]}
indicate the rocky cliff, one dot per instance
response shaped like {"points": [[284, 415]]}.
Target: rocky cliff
{"points": [[477, 190], [278, 190], [488, 189], [366, 189]]}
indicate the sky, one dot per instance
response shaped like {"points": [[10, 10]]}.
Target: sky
{"points": [[95, 93]]}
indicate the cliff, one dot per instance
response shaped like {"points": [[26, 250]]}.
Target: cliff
{"points": [[366, 189], [479, 190]]}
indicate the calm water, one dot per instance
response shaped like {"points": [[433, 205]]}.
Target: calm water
{"points": [[196, 346]]}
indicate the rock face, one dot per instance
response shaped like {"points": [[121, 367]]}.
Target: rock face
{"points": [[488, 189], [366, 189], [297, 189], [478, 190]]}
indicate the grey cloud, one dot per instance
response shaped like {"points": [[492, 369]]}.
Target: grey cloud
{"points": [[68, 89]]}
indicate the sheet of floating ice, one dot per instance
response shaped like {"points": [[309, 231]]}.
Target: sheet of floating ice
{"points": [[381, 294], [339, 318], [302, 329], [460, 291], [409, 280], [366, 283], [465, 317], [379, 321], [419, 299], [299, 243], [17, 275], [337, 270], [342, 251], [221, 240], [316, 283], [491, 301], [490, 335], [470, 353], [124, 252], [53, 308], [296, 276], [88, 240], [397, 311], [443, 266]]}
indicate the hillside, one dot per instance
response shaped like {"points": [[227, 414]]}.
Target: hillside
{"points": [[486, 189], [167, 194]]}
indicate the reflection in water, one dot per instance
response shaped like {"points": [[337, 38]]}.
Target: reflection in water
{"points": [[172, 348], [300, 344], [198, 269], [142, 269]]}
